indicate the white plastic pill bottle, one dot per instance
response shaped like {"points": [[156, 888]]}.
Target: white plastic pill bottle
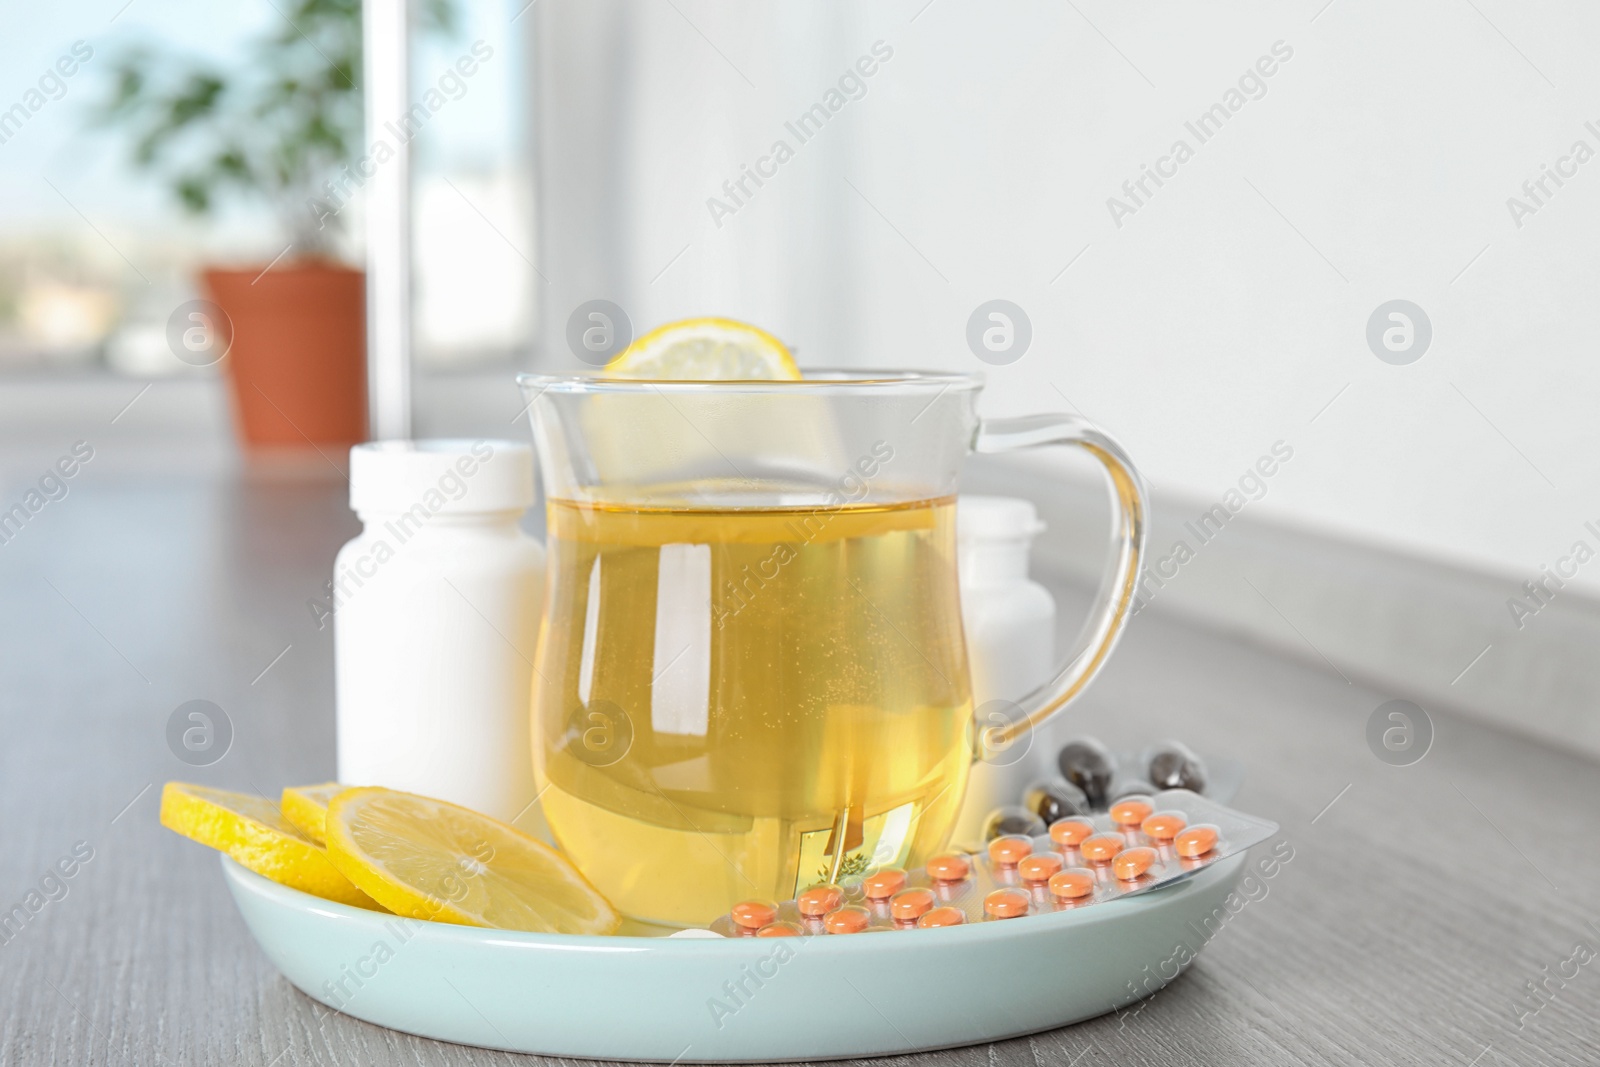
{"points": [[1010, 622], [436, 612]]}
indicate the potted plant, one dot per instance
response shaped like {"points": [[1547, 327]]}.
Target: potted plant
{"points": [[278, 128]]}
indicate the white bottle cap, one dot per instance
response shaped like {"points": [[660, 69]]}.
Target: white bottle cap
{"points": [[995, 518], [451, 477]]}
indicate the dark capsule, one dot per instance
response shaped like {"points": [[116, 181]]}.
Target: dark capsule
{"points": [[1173, 766], [1011, 820], [1055, 798], [1089, 765]]}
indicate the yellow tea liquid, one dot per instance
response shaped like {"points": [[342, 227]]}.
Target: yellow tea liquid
{"points": [[743, 703]]}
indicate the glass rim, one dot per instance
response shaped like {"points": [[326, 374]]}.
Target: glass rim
{"points": [[820, 379]]}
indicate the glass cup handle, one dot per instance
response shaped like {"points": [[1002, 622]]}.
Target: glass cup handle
{"points": [[1121, 579]]}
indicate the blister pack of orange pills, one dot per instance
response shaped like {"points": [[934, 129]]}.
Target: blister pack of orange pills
{"points": [[1141, 843]]}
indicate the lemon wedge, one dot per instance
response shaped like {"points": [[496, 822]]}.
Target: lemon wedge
{"points": [[306, 807], [255, 833], [428, 859], [706, 349]]}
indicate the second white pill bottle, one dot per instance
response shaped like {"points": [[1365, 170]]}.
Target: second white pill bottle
{"points": [[1010, 623], [436, 613]]}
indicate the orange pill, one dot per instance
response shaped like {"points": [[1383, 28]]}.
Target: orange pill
{"points": [[881, 885], [945, 916], [1010, 850], [1132, 863], [1101, 847], [753, 914], [850, 919], [1006, 904], [819, 900], [1073, 883], [1069, 833], [779, 930], [1195, 841], [949, 867], [1039, 867], [1163, 825], [1131, 811], [912, 904]]}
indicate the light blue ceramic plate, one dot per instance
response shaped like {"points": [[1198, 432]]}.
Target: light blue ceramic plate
{"points": [[656, 998]]}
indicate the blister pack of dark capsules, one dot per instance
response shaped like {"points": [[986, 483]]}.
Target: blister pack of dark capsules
{"points": [[1141, 843]]}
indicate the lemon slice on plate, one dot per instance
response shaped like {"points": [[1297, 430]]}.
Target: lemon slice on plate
{"points": [[428, 859], [253, 831], [306, 807], [706, 349]]}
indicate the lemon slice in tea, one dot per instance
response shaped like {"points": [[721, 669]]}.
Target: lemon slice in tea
{"points": [[306, 807], [429, 859], [253, 831], [706, 349]]}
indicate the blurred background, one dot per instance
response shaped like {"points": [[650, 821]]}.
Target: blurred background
{"points": [[1372, 253]]}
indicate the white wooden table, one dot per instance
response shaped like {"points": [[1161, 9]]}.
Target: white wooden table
{"points": [[1405, 930]]}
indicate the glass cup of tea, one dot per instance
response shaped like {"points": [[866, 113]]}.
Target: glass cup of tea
{"points": [[751, 675]]}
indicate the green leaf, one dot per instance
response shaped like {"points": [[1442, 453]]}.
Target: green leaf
{"points": [[194, 194]]}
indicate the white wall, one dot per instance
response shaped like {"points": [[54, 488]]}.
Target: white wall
{"points": [[1221, 317]]}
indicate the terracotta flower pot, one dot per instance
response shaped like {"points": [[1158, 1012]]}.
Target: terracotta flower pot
{"points": [[298, 359]]}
